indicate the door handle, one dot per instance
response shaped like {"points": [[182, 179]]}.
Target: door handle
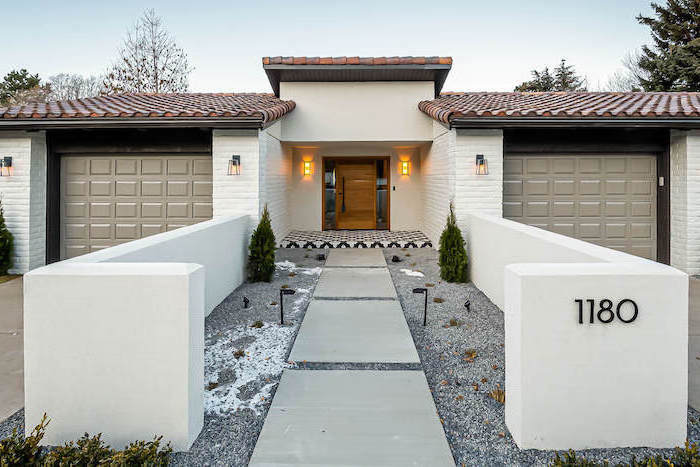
{"points": [[342, 209]]}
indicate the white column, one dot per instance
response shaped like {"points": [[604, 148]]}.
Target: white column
{"points": [[685, 200], [24, 197]]}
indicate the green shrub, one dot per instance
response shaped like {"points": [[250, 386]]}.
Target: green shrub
{"points": [[261, 260], [18, 450], [6, 242], [682, 457], [453, 256], [87, 451]]}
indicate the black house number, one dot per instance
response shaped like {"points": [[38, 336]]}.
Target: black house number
{"points": [[626, 310]]}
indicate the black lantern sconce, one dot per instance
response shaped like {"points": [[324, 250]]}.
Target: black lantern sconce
{"points": [[6, 166], [482, 165], [234, 165]]}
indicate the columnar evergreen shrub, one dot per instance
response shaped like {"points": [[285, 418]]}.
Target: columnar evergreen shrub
{"points": [[453, 256], [6, 242], [261, 260]]}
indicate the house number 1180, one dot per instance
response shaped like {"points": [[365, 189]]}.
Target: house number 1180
{"points": [[626, 310]]}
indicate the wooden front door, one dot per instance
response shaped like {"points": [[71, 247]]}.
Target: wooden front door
{"points": [[356, 200]]}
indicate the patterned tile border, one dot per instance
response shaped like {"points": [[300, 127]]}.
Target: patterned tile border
{"points": [[356, 239]]}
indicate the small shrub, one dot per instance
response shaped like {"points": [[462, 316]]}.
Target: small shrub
{"points": [[498, 394], [685, 456], [143, 453], [261, 258], [86, 451], [257, 324], [17, 450], [240, 353], [6, 242], [453, 256]]}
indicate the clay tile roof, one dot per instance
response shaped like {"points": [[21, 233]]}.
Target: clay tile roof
{"points": [[245, 106], [357, 61], [563, 105]]}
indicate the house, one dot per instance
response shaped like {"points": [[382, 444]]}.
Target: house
{"points": [[354, 143]]}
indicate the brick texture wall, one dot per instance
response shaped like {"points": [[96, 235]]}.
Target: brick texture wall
{"points": [[685, 201], [437, 168], [24, 197], [275, 180]]}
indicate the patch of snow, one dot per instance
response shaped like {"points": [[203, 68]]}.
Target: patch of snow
{"points": [[410, 272], [312, 271], [286, 265], [263, 358], [291, 267]]}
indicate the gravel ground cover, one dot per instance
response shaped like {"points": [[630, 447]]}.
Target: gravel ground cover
{"points": [[243, 364], [464, 360]]}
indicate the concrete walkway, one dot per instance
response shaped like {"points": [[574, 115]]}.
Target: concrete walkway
{"points": [[11, 348], [353, 417]]}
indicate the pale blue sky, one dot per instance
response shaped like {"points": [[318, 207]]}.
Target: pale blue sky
{"points": [[494, 43]]}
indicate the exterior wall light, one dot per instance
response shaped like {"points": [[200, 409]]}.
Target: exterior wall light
{"points": [[307, 168], [6, 166], [234, 165], [404, 168], [482, 165]]}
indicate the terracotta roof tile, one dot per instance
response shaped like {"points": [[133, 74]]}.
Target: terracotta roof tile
{"points": [[563, 105], [265, 107], [354, 60]]}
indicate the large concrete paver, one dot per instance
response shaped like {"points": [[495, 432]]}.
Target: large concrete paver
{"points": [[356, 257], [354, 331], [355, 283], [11, 348], [352, 418]]}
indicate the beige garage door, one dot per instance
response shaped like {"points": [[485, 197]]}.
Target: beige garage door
{"points": [[107, 200], [609, 200]]}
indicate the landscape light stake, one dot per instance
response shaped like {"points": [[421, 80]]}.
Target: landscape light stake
{"points": [[423, 290], [284, 292], [246, 302]]}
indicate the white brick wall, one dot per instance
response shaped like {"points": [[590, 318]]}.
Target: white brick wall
{"points": [[275, 180], [232, 194], [24, 197], [685, 200], [437, 168]]}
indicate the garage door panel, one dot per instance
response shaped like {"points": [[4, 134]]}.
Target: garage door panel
{"points": [[608, 199], [111, 199]]}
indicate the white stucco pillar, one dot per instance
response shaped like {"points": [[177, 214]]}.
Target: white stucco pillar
{"points": [[24, 197], [685, 200]]}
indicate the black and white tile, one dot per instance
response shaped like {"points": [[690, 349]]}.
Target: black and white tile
{"points": [[356, 239]]}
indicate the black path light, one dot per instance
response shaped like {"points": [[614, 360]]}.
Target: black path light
{"points": [[246, 302], [284, 292], [423, 290]]}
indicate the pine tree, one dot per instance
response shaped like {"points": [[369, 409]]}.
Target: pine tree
{"points": [[6, 241], [453, 256], [261, 260], [673, 62], [564, 78]]}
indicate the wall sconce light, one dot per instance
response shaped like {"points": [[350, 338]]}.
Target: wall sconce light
{"points": [[404, 169], [307, 168], [482, 166], [234, 165], [6, 166]]}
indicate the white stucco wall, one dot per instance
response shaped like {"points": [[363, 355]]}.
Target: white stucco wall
{"points": [[685, 200], [24, 197], [357, 111]]}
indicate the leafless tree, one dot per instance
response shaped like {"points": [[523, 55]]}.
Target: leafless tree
{"points": [[28, 96], [67, 86], [628, 79], [149, 60]]}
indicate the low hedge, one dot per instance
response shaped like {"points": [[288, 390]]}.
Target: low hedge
{"points": [[682, 457], [17, 450]]}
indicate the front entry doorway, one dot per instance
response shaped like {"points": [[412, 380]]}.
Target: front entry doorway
{"points": [[356, 194]]}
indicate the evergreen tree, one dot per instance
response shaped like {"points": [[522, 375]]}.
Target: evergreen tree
{"points": [[15, 83], [261, 260], [564, 78], [6, 241], [673, 62], [453, 256]]}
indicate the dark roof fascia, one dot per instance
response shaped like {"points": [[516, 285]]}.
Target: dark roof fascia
{"points": [[549, 122], [152, 122], [274, 71]]}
